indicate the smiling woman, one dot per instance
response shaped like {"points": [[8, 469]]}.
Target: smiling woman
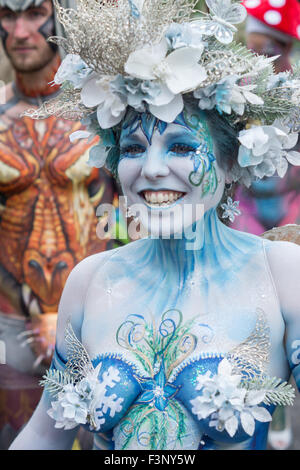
{"points": [[170, 167], [185, 338]]}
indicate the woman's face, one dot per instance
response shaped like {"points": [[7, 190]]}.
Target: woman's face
{"points": [[169, 171]]}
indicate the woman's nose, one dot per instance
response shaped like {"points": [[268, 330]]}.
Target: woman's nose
{"points": [[155, 166]]}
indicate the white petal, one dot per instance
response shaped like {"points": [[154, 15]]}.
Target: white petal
{"points": [[224, 367], [231, 425], [92, 94], [248, 423], [292, 140], [106, 119], [225, 413], [169, 112], [253, 136], [254, 397], [79, 135], [282, 167], [140, 63], [293, 158], [252, 98], [164, 97], [237, 96], [261, 414], [186, 74], [97, 156]]}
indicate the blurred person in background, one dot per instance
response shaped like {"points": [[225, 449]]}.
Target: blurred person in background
{"points": [[48, 200], [272, 29], [6, 72]]}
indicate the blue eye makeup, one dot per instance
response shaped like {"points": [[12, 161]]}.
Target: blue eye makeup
{"points": [[132, 151], [182, 150]]}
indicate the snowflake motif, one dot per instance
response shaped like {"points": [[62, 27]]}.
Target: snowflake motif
{"points": [[87, 401], [231, 210]]}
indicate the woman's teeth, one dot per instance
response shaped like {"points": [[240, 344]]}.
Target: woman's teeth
{"points": [[161, 198]]}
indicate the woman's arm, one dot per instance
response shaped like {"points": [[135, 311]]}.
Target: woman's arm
{"points": [[40, 433], [284, 260]]}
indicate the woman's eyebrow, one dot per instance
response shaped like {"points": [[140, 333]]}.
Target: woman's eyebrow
{"points": [[131, 139], [176, 135]]}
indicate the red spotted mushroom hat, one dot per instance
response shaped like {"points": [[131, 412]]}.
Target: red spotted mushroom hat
{"points": [[283, 15]]}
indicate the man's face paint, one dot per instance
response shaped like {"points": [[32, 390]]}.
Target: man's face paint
{"points": [[47, 30], [24, 35]]}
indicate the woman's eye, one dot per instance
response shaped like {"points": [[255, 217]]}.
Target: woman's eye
{"points": [[182, 149], [132, 150]]}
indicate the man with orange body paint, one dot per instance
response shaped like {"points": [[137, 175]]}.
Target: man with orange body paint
{"points": [[48, 197]]}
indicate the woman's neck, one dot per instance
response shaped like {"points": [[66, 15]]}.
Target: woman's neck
{"points": [[207, 243], [39, 83]]}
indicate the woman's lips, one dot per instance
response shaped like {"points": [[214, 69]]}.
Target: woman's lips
{"points": [[161, 198]]}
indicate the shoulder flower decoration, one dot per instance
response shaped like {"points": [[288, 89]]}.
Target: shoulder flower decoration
{"points": [[229, 402], [82, 394]]}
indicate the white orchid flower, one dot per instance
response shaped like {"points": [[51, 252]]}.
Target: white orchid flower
{"points": [[74, 70], [227, 403], [110, 108], [264, 150], [178, 72]]}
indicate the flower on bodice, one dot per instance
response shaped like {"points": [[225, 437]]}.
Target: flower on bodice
{"points": [[157, 390], [226, 403]]}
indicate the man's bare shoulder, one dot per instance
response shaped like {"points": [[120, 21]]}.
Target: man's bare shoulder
{"points": [[11, 106]]}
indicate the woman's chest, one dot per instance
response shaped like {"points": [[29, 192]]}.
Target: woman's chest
{"points": [[153, 337], [197, 315]]}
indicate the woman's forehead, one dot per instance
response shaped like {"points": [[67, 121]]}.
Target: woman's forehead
{"points": [[188, 123]]}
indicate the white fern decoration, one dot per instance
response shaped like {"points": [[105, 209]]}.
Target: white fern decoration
{"points": [[54, 381], [277, 392]]}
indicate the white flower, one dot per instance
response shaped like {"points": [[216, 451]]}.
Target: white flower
{"points": [[110, 108], [74, 70], [227, 96], [182, 35], [227, 403], [263, 150], [70, 409], [178, 72]]}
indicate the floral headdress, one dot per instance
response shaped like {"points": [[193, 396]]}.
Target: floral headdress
{"points": [[150, 55]]}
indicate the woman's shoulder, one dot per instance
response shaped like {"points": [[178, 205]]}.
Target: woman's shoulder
{"points": [[284, 262], [71, 307], [283, 255]]}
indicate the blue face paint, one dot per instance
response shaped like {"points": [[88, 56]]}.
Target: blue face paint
{"points": [[193, 141]]}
